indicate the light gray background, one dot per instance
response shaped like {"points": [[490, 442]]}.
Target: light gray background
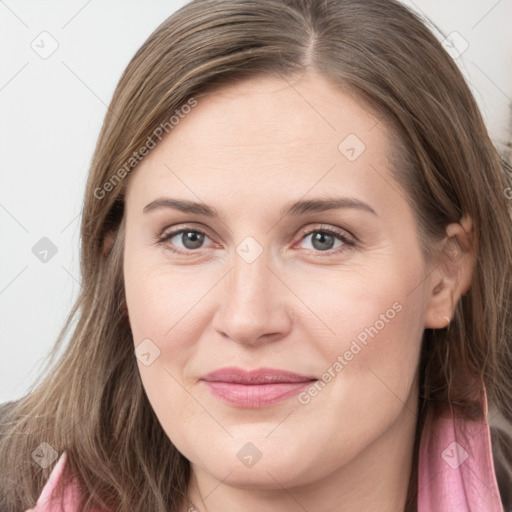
{"points": [[51, 110]]}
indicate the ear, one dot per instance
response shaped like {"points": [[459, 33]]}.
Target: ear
{"points": [[452, 275]]}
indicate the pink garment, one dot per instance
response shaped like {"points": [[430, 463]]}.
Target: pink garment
{"points": [[46, 503], [456, 468], [455, 474]]}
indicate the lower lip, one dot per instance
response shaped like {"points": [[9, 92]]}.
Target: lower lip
{"points": [[254, 396]]}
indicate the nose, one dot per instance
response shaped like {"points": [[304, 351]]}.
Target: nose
{"points": [[255, 306]]}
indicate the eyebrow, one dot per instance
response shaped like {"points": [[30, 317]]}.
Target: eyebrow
{"points": [[290, 209]]}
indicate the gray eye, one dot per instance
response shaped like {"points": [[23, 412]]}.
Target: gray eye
{"points": [[190, 239], [322, 241]]}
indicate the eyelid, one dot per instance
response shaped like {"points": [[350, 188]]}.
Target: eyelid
{"points": [[345, 236], [342, 233], [171, 232]]}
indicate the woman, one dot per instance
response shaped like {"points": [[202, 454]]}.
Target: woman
{"points": [[247, 365]]}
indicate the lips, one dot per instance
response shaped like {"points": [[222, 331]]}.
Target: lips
{"points": [[255, 388]]}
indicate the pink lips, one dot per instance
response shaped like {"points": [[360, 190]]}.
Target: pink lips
{"points": [[257, 388]]}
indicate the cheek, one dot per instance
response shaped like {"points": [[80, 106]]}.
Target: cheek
{"points": [[368, 317], [376, 309], [164, 308], [369, 368], [163, 302], [160, 313], [371, 350]]}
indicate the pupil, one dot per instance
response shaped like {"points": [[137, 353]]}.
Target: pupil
{"points": [[320, 237], [192, 239]]}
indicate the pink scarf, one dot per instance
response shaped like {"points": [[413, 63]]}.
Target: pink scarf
{"points": [[455, 474]]}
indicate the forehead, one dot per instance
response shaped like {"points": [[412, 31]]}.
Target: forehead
{"points": [[267, 138], [275, 113]]}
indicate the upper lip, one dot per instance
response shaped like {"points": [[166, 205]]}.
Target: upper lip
{"points": [[258, 376]]}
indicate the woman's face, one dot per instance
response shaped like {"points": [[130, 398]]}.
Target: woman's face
{"points": [[335, 295]]}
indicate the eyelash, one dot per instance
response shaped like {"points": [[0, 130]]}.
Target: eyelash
{"points": [[347, 241]]}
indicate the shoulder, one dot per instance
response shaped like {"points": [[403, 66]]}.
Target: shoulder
{"points": [[50, 501], [45, 501], [501, 437], [459, 466]]}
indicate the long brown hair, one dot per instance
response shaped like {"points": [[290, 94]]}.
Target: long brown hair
{"points": [[91, 402]]}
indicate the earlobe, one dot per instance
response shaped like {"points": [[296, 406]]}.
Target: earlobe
{"points": [[453, 274], [441, 305]]}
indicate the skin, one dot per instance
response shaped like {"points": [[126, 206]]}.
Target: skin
{"points": [[247, 150]]}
